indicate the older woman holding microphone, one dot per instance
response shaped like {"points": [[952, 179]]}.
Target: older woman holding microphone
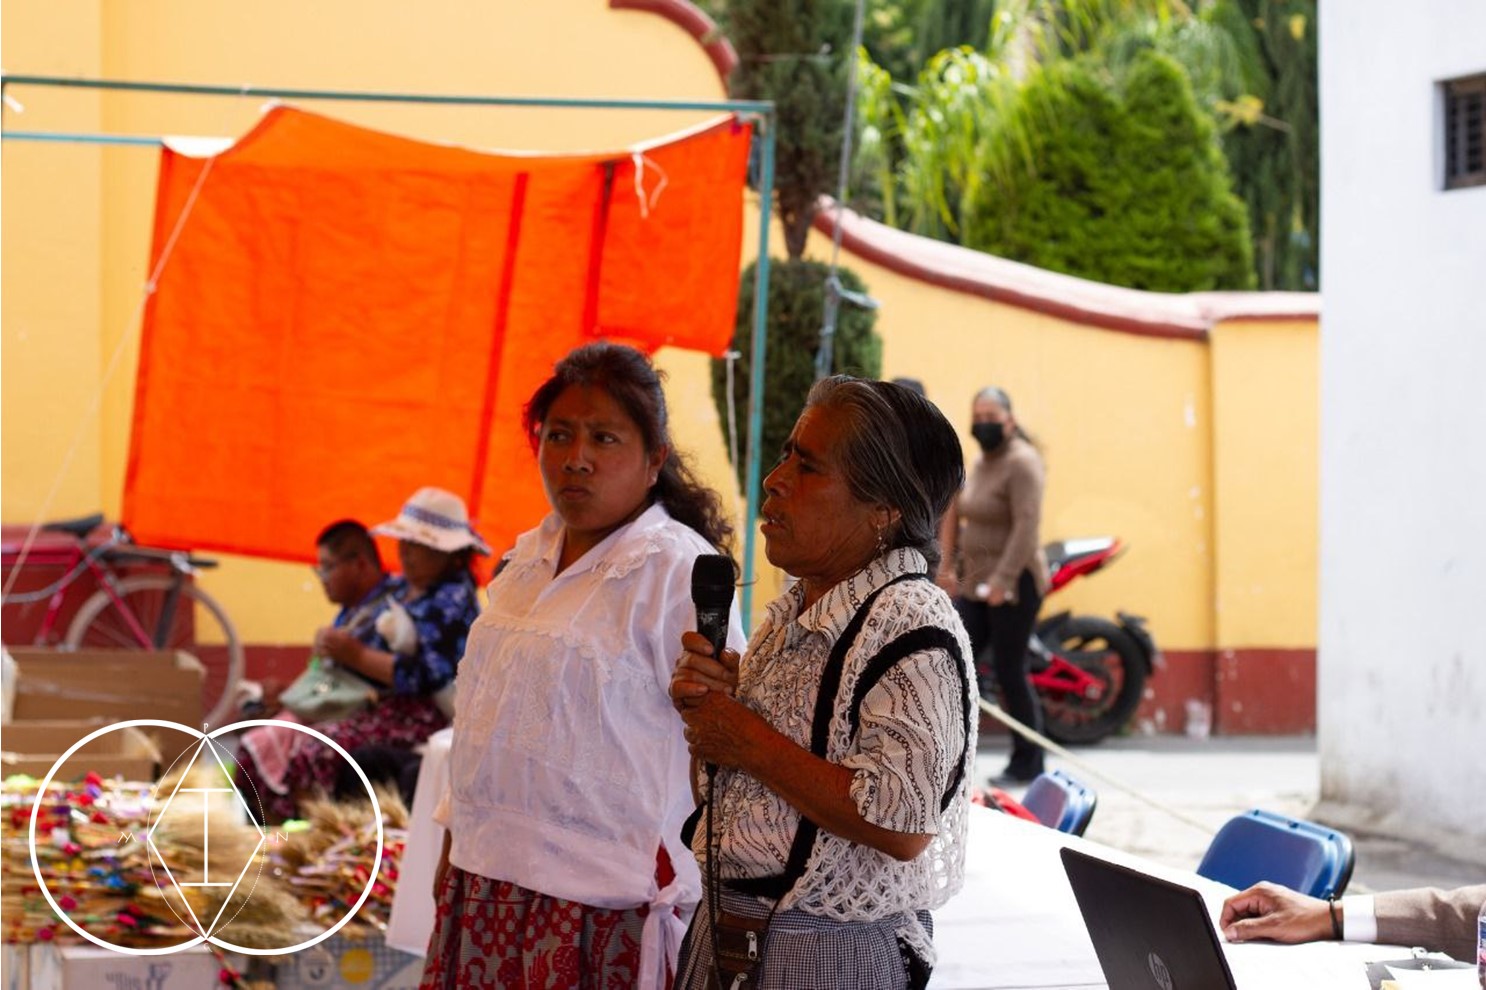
{"points": [[833, 759]]}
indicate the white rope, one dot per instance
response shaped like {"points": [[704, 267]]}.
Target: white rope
{"points": [[90, 417], [647, 203], [1027, 732]]}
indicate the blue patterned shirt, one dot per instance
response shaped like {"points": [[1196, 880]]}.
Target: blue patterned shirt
{"points": [[442, 616], [360, 619]]}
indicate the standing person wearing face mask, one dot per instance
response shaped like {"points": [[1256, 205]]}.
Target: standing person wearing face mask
{"points": [[993, 564]]}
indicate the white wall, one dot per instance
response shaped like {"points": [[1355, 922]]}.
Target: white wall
{"points": [[1402, 690]]}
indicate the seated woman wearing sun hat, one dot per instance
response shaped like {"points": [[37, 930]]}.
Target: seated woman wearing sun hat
{"points": [[420, 640]]}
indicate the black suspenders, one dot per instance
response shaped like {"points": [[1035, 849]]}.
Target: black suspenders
{"points": [[913, 641]]}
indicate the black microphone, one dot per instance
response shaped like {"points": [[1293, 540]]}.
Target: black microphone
{"points": [[712, 594]]}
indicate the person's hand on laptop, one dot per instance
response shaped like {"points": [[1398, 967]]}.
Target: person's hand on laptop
{"points": [[1279, 914]]}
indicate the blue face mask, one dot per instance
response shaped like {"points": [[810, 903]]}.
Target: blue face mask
{"points": [[988, 435]]}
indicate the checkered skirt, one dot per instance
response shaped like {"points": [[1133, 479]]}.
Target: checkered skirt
{"points": [[805, 952]]}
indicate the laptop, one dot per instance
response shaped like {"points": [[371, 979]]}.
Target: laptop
{"points": [[1149, 933]]}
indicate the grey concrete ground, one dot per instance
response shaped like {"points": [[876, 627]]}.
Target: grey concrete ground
{"points": [[1210, 780]]}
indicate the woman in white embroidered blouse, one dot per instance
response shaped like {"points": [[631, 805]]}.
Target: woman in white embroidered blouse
{"points": [[562, 866], [842, 742]]}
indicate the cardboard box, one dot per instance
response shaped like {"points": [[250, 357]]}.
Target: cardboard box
{"points": [[346, 961], [107, 684], [91, 967], [112, 686], [33, 747]]}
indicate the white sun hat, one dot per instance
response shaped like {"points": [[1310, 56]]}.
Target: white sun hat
{"points": [[435, 518]]}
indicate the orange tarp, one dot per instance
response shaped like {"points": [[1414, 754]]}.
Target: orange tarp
{"points": [[346, 316]]}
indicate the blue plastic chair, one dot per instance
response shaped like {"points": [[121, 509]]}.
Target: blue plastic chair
{"points": [[1261, 845], [1061, 802]]}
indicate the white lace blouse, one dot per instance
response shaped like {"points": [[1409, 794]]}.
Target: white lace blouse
{"points": [[568, 765], [912, 733]]}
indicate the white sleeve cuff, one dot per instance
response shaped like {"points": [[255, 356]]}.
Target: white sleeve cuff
{"points": [[1359, 918]]}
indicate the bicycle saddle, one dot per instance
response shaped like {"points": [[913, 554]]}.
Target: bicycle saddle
{"points": [[79, 527]]}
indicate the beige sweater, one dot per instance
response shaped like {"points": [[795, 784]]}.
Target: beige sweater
{"points": [[999, 513], [1442, 920]]}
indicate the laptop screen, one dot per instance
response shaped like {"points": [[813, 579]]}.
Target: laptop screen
{"points": [[1149, 933]]}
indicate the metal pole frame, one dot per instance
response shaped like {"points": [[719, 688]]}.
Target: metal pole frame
{"points": [[756, 371], [762, 107], [760, 110]]}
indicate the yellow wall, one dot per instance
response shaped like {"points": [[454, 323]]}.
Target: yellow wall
{"points": [[1266, 431], [50, 270], [1201, 455], [1123, 423]]}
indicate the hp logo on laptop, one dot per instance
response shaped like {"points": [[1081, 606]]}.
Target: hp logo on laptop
{"points": [[1159, 970]]}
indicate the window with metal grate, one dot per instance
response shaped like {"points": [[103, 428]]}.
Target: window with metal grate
{"points": [[1465, 132]]}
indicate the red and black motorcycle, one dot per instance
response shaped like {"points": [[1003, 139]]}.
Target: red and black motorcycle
{"points": [[1089, 672]]}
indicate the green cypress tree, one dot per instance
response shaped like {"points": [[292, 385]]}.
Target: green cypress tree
{"points": [[1126, 186], [796, 53], [796, 298]]}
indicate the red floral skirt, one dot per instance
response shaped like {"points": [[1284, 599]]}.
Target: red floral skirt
{"points": [[490, 933]]}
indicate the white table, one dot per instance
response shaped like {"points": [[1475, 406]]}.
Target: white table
{"points": [[1016, 923], [411, 921], [1015, 926]]}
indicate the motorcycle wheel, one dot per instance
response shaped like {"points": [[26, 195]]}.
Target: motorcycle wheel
{"points": [[1106, 652]]}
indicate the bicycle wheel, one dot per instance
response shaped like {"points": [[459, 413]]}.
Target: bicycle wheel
{"points": [[99, 624]]}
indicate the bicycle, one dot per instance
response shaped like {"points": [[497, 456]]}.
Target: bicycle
{"points": [[145, 600]]}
